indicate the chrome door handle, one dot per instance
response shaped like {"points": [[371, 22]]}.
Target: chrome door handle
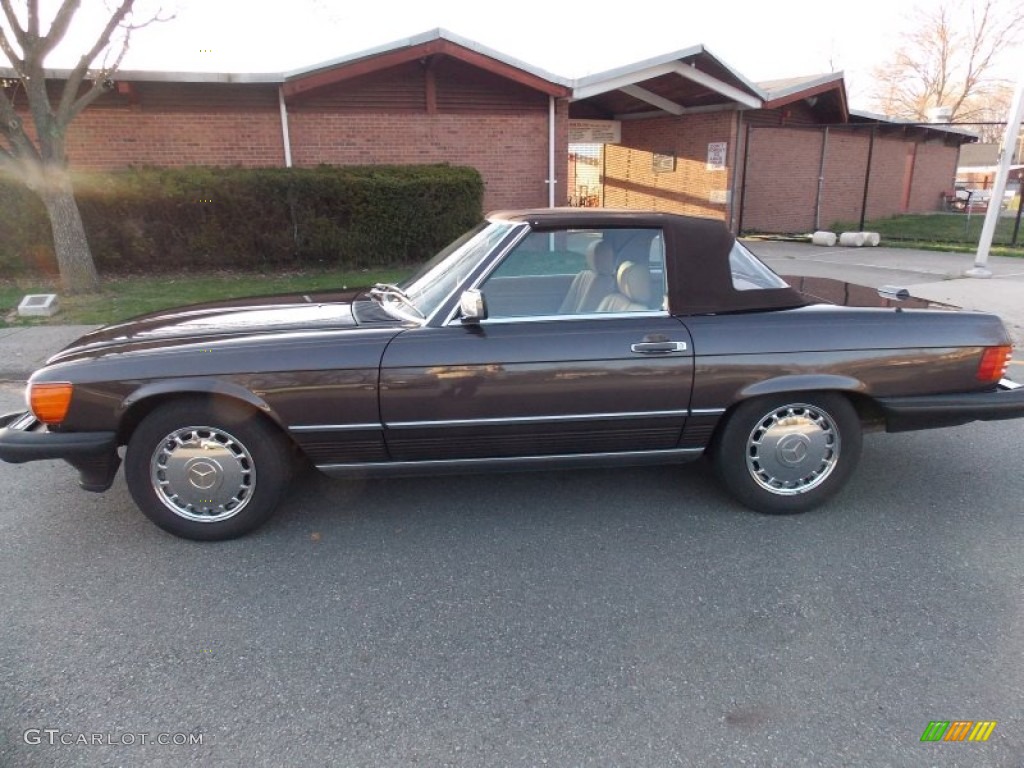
{"points": [[658, 347]]}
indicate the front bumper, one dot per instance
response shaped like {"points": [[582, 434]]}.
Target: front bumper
{"points": [[93, 454], [928, 411]]}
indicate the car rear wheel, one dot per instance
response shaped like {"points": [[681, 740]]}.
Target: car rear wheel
{"points": [[787, 454], [207, 469]]}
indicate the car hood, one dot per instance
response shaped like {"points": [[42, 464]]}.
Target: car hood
{"points": [[200, 323]]}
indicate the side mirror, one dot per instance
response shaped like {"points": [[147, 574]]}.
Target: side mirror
{"points": [[472, 306]]}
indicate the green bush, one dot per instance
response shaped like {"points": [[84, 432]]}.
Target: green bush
{"points": [[164, 220], [26, 245]]}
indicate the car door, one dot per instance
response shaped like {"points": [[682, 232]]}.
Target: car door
{"points": [[537, 379]]}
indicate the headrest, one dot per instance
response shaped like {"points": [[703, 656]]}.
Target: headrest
{"points": [[634, 282], [601, 258]]}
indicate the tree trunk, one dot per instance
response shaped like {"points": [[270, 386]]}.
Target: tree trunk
{"points": [[74, 259]]}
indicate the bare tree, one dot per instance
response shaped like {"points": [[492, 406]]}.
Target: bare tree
{"points": [[38, 157], [949, 58]]}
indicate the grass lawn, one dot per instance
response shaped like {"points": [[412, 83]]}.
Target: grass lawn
{"points": [[941, 231], [124, 297]]}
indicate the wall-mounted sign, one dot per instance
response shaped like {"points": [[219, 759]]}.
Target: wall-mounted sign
{"points": [[663, 163], [595, 132], [716, 155]]}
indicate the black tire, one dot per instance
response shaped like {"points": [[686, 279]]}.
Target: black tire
{"points": [[207, 469], [786, 454]]}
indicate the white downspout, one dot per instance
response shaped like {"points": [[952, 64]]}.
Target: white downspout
{"points": [[285, 139], [551, 151]]}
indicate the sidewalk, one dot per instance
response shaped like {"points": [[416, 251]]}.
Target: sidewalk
{"points": [[930, 275]]}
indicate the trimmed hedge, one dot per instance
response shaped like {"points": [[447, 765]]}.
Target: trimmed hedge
{"points": [[164, 220]]}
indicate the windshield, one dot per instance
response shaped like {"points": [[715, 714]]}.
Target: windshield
{"points": [[438, 278]]}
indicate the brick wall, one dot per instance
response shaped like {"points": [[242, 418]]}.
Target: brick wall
{"points": [[842, 192], [782, 180], [509, 151], [106, 139], [479, 119], [934, 173], [907, 175], [888, 168], [176, 124], [629, 178]]}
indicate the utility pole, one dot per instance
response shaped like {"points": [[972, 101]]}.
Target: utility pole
{"points": [[995, 203]]}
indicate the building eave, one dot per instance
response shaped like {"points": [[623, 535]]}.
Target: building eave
{"points": [[434, 42], [148, 76]]}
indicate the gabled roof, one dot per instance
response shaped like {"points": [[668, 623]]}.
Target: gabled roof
{"points": [[686, 80], [792, 88], [435, 42], [829, 89]]}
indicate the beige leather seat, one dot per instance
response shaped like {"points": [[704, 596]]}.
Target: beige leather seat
{"points": [[634, 290], [593, 284]]}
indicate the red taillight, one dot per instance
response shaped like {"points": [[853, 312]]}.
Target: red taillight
{"points": [[993, 363], [50, 402]]}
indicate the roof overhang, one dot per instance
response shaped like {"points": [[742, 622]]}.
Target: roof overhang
{"points": [[688, 80], [946, 131], [146, 76]]}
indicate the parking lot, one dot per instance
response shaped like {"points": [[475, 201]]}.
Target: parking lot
{"points": [[628, 617]]}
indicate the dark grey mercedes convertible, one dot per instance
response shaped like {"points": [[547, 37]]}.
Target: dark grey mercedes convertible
{"points": [[541, 339]]}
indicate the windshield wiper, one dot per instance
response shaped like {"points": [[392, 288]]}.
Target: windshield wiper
{"points": [[389, 288], [381, 290]]}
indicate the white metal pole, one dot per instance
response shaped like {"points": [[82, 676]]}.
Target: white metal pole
{"points": [[285, 138], [995, 203], [551, 151]]}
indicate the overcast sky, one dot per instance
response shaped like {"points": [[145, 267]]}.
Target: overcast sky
{"points": [[762, 40]]}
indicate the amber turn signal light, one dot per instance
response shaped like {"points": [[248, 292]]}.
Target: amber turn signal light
{"points": [[993, 363], [49, 402]]}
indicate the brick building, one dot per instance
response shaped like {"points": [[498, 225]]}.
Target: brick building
{"points": [[782, 156], [681, 132]]}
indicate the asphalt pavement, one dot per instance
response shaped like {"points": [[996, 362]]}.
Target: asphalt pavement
{"points": [[931, 275], [628, 617]]}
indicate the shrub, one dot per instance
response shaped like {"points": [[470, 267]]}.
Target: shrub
{"points": [[162, 220], [25, 242]]}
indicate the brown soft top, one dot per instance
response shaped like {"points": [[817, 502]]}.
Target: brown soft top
{"points": [[696, 255]]}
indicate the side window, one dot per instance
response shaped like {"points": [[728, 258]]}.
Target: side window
{"points": [[579, 272], [545, 254], [749, 274]]}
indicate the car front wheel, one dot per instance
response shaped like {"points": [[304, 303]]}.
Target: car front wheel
{"points": [[790, 453], [207, 469]]}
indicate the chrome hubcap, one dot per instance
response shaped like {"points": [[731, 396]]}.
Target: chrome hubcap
{"points": [[793, 449], [203, 474]]}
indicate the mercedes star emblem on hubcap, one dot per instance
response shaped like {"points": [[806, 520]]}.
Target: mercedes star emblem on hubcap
{"points": [[202, 475], [792, 449]]}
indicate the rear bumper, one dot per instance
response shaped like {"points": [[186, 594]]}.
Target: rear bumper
{"points": [[93, 454], [929, 411]]}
